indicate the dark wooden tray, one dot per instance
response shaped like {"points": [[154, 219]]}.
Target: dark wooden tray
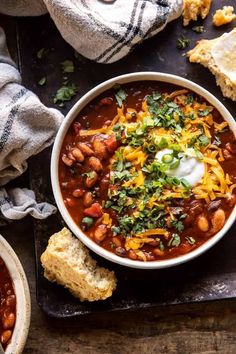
{"points": [[211, 276]]}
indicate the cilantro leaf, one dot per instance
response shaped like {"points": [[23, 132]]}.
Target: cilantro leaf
{"points": [[42, 81], [68, 66], [120, 97], [204, 140], [174, 241], [65, 93]]}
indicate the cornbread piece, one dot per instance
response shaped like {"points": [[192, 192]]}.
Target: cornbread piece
{"points": [[223, 16], [67, 262], [194, 8], [219, 56]]}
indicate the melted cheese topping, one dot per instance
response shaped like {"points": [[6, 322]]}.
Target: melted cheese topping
{"points": [[224, 54]]}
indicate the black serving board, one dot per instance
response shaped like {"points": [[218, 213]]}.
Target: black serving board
{"points": [[213, 275]]}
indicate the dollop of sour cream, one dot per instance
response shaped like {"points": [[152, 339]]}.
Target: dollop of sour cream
{"points": [[189, 167]]}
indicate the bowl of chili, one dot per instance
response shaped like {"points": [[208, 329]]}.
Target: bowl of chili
{"points": [[14, 301], [143, 170]]}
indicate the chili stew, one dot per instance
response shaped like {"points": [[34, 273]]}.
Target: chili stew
{"points": [[148, 171], [7, 306]]}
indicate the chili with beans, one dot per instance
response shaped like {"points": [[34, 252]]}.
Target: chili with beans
{"points": [[7, 306], [148, 171]]}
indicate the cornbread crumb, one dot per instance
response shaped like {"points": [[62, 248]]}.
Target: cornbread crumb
{"points": [[67, 261], [194, 8], [223, 16]]}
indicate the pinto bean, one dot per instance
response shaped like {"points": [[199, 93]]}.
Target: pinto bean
{"points": [[8, 321], [158, 252], [78, 155], [69, 202], [90, 181], [203, 223], [227, 155], [78, 193], [67, 161], [11, 300], [5, 336], [100, 233], [95, 164], [116, 241], [86, 150], [106, 101], [132, 255], [100, 148], [218, 220], [88, 199]]}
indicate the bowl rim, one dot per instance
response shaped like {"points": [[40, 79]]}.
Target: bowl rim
{"points": [[70, 117], [23, 302]]}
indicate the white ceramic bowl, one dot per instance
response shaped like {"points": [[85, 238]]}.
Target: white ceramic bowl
{"points": [[73, 113], [23, 306]]}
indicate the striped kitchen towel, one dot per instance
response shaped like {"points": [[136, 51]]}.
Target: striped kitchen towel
{"points": [[100, 30], [26, 128]]}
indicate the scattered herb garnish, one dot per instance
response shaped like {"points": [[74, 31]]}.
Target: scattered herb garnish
{"points": [[68, 66], [190, 240], [174, 241], [41, 53], [65, 93], [198, 29], [120, 97], [204, 140], [182, 42], [42, 81]]}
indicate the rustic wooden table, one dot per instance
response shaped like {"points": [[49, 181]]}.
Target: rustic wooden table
{"points": [[198, 328]]}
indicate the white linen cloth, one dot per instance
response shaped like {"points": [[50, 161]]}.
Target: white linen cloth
{"points": [[104, 32], [26, 128]]}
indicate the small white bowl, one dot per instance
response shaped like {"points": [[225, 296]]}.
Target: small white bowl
{"points": [[23, 305], [73, 113]]}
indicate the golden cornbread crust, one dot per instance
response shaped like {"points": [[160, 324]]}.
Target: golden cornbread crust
{"points": [[67, 262]]}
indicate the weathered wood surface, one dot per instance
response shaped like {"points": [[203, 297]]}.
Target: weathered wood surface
{"points": [[199, 328]]}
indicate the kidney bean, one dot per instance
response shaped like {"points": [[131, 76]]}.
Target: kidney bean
{"points": [[77, 127], [5, 336], [95, 211], [86, 150], [90, 181], [214, 205], [78, 155], [88, 199], [100, 233], [66, 160], [78, 193], [95, 164], [8, 321], [120, 251], [107, 101]]}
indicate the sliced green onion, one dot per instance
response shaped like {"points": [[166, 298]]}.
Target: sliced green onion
{"points": [[167, 158], [174, 165]]}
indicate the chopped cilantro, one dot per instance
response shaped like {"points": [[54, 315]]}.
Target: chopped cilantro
{"points": [[41, 53], [189, 99], [174, 241], [68, 66], [203, 112], [178, 225], [120, 97], [87, 221], [216, 141], [198, 29], [42, 81], [204, 140], [182, 42], [190, 240], [65, 93]]}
